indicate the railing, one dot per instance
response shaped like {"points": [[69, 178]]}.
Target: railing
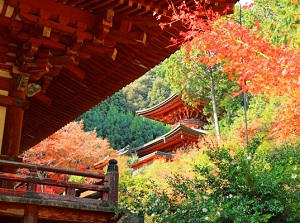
{"points": [[105, 190]]}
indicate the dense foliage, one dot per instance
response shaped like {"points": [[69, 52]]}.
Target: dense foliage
{"points": [[256, 184], [115, 118], [248, 58], [69, 148]]}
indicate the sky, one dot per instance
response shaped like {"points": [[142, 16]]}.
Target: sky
{"points": [[243, 2]]}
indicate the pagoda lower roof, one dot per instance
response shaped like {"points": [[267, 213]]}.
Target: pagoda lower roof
{"points": [[178, 137], [151, 157]]}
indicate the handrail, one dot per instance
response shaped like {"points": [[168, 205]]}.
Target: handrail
{"points": [[50, 169], [107, 187]]}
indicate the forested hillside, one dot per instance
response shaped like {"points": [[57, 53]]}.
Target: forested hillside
{"points": [[115, 118]]}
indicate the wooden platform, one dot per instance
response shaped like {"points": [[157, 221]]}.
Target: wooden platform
{"points": [[30, 205]]}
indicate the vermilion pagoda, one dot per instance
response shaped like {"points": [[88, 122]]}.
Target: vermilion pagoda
{"points": [[187, 125], [59, 58]]}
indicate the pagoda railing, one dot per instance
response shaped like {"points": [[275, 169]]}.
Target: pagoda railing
{"points": [[104, 192]]}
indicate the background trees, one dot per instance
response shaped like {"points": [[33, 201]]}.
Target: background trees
{"points": [[279, 20], [196, 81], [248, 58], [70, 148]]}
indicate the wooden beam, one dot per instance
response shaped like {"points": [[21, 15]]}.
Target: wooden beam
{"points": [[4, 83], [58, 9], [11, 158], [43, 99], [57, 183], [8, 101], [60, 214]]}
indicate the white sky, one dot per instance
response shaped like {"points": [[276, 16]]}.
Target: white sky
{"points": [[243, 2]]}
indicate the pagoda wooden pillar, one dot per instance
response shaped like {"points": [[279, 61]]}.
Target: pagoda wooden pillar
{"points": [[12, 105]]}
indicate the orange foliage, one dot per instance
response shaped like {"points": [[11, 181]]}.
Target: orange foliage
{"points": [[249, 59], [70, 148]]}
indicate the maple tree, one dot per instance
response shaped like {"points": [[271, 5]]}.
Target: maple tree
{"points": [[196, 82], [248, 58], [69, 148]]}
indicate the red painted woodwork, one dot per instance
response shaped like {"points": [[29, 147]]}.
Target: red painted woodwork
{"points": [[150, 158], [178, 137], [66, 56], [173, 111], [32, 205], [186, 120], [80, 52]]}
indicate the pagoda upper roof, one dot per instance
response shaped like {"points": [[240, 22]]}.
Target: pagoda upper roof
{"points": [[174, 110], [80, 52], [178, 137]]}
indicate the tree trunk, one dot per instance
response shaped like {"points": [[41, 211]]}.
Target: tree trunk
{"points": [[214, 103]]}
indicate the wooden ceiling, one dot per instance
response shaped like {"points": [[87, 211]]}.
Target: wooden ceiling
{"points": [[81, 51]]}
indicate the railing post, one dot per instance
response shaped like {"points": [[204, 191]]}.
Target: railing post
{"points": [[71, 191], [31, 211], [31, 186], [30, 214], [112, 178]]}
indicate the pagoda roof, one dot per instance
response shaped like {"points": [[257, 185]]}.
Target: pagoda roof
{"points": [[179, 136], [81, 51], [167, 110], [151, 157]]}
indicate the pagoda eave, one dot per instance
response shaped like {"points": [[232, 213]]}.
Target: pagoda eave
{"points": [[178, 137]]}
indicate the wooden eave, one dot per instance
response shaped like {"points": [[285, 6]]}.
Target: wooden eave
{"points": [[164, 111], [151, 157], [178, 137], [90, 49]]}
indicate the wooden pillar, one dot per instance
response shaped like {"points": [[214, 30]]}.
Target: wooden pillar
{"points": [[12, 131], [13, 105], [30, 214], [4, 79]]}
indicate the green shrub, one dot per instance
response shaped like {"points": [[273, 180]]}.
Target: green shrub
{"points": [[254, 184]]}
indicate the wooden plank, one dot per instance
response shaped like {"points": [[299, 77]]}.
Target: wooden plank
{"points": [[51, 169], [46, 181], [53, 200], [60, 214], [75, 215]]}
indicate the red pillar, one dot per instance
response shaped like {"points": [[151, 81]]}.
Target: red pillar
{"points": [[13, 126]]}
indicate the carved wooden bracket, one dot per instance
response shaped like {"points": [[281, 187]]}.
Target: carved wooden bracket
{"points": [[106, 25]]}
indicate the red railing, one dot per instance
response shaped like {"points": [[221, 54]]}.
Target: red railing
{"points": [[104, 191]]}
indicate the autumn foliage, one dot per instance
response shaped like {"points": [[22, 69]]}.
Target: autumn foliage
{"points": [[247, 58], [70, 148]]}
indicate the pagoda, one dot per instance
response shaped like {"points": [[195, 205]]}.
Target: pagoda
{"points": [[187, 126]]}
